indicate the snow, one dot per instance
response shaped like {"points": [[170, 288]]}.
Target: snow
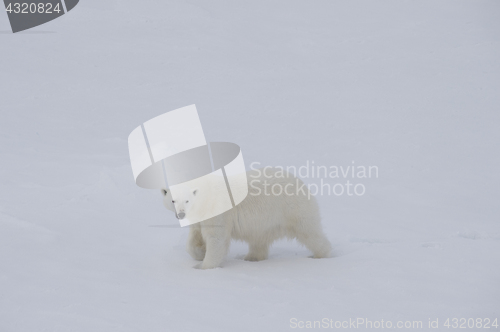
{"points": [[411, 87]]}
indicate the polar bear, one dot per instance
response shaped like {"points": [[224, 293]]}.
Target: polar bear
{"points": [[265, 215]]}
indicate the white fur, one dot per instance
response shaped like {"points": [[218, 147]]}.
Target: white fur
{"points": [[259, 220]]}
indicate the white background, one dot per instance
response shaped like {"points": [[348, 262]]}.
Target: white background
{"points": [[411, 87]]}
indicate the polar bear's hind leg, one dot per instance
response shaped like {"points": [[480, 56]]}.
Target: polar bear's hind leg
{"points": [[317, 242], [257, 252], [309, 232]]}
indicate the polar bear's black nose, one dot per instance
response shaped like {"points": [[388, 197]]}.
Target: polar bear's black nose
{"points": [[181, 215]]}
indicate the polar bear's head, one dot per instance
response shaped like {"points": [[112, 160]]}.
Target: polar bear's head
{"points": [[181, 202]]}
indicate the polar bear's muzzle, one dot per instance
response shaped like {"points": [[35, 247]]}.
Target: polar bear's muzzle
{"points": [[181, 215]]}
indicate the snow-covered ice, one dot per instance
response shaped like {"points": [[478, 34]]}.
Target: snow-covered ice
{"points": [[411, 87]]}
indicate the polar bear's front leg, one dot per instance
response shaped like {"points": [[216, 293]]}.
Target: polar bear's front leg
{"points": [[217, 247], [257, 252], [196, 245], [217, 236]]}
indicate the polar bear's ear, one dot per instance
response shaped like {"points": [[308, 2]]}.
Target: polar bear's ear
{"points": [[195, 191], [164, 192]]}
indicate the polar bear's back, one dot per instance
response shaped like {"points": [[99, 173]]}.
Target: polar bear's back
{"points": [[277, 204]]}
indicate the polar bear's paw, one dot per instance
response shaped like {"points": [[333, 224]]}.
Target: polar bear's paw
{"points": [[321, 256], [204, 266], [255, 258], [252, 258], [324, 253]]}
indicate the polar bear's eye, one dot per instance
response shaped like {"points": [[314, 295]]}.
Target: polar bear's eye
{"points": [[173, 202], [187, 201]]}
